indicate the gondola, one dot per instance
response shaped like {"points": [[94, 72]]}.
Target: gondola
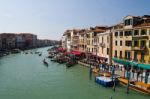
{"points": [[45, 62], [26, 52], [69, 64], [40, 54]]}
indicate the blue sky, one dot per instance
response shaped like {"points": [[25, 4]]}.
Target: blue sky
{"points": [[50, 18]]}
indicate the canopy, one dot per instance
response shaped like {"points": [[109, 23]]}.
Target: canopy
{"points": [[144, 66], [132, 63], [67, 53], [76, 52], [120, 61], [61, 49]]}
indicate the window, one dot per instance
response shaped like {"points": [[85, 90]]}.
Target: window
{"points": [[115, 53], [121, 33], [142, 57], [107, 39], [97, 40], [102, 39], [107, 51], [149, 44], [135, 56], [116, 43], [143, 43], [128, 33], [94, 34], [128, 43], [136, 43], [116, 33], [92, 49], [128, 22], [143, 32], [120, 54], [127, 55], [120, 43], [136, 32]]}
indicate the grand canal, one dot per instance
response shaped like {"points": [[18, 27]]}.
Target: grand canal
{"points": [[24, 76]]}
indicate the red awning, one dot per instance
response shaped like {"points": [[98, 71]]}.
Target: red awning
{"points": [[61, 49], [76, 52], [67, 53]]}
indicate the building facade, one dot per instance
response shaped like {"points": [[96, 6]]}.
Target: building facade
{"points": [[105, 45]]}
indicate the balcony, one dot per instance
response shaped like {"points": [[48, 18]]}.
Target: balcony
{"points": [[95, 44], [141, 48], [137, 37], [102, 45]]}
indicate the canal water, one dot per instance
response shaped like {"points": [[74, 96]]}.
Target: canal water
{"points": [[24, 76]]}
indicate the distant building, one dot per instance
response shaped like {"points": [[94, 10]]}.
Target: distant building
{"points": [[0, 42], [20, 41], [8, 41], [30, 40], [63, 41], [83, 40]]}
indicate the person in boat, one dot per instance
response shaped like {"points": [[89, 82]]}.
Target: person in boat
{"points": [[44, 60]]}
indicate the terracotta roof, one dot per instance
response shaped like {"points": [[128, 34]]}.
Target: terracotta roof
{"points": [[99, 30], [119, 25]]}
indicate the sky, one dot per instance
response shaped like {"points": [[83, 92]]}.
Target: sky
{"points": [[50, 18]]}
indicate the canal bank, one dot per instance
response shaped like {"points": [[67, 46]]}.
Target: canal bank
{"points": [[25, 77]]}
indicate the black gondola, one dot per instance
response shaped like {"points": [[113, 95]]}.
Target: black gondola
{"points": [[45, 62], [40, 54], [69, 64]]}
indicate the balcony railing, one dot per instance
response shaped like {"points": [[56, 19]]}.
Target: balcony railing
{"points": [[140, 37], [140, 48], [95, 44], [102, 45]]}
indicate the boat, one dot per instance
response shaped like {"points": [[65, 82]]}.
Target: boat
{"points": [[61, 61], [104, 73], [40, 54], [26, 52], [104, 81], [44, 61], [37, 52], [15, 51], [50, 56], [95, 70], [70, 64], [135, 85]]}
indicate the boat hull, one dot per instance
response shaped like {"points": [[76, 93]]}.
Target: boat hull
{"points": [[135, 88]]}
